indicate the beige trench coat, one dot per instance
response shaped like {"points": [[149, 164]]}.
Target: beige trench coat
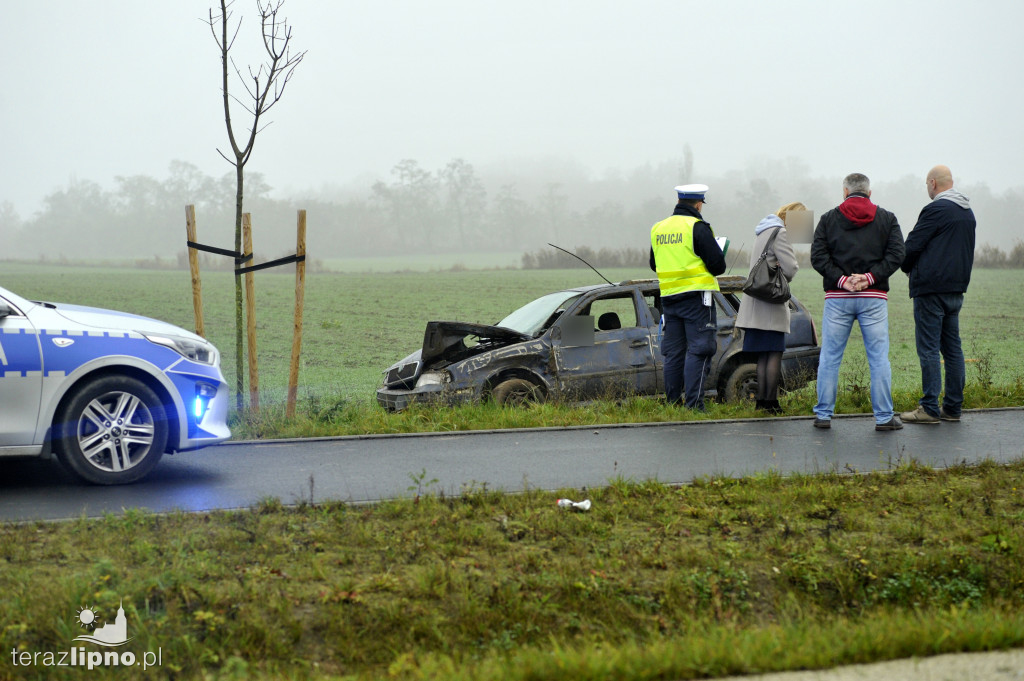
{"points": [[758, 314]]}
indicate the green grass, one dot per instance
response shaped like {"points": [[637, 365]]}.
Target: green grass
{"points": [[719, 577], [358, 323]]}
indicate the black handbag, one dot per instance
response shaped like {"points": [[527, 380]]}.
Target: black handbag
{"points": [[766, 282]]}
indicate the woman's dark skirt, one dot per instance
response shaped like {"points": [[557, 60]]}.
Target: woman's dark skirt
{"points": [[759, 340]]}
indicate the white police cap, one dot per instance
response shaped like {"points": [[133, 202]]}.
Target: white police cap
{"points": [[692, 191]]}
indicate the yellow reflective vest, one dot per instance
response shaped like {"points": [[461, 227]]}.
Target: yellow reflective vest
{"points": [[679, 268]]}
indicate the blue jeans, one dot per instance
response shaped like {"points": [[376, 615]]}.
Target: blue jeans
{"points": [[937, 331], [688, 347], [837, 320]]}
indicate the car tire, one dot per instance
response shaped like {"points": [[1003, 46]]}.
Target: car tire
{"points": [[514, 392], [742, 384], [108, 416]]}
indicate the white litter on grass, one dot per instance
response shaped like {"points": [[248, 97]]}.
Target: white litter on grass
{"points": [[575, 505]]}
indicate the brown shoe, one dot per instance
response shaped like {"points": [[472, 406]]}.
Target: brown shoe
{"points": [[919, 415], [946, 416]]}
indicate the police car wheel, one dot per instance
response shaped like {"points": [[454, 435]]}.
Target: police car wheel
{"points": [[742, 384], [516, 391], [113, 431]]}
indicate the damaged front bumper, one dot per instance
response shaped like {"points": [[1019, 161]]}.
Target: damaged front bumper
{"points": [[430, 387], [397, 399], [417, 378]]}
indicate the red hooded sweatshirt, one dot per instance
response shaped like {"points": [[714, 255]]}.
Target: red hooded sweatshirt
{"points": [[859, 210]]}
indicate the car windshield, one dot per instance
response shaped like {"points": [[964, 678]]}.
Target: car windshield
{"points": [[536, 316]]}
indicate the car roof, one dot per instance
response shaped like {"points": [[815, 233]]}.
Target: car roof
{"points": [[728, 283]]}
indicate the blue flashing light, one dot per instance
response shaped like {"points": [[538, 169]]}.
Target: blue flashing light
{"points": [[204, 393]]}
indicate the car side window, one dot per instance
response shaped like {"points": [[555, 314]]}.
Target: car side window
{"points": [[724, 310], [653, 302], [8, 310], [613, 312]]}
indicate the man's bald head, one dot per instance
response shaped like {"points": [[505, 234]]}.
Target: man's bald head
{"points": [[939, 180]]}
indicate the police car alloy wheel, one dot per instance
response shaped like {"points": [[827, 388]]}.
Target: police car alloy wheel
{"points": [[114, 431]]}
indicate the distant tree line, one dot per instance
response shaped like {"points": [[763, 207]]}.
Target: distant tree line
{"points": [[454, 209], [553, 259], [990, 257]]}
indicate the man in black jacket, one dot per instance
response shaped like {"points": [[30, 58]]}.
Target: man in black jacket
{"points": [[856, 247], [940, 255]]}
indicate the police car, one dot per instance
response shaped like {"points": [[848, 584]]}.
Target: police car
{"points": [[108, 392]]}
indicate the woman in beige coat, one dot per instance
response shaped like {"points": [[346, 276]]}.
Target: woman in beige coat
{"points": [[766, 324]]}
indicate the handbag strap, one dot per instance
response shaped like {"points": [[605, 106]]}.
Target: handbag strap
{"points": [[767, 246]]}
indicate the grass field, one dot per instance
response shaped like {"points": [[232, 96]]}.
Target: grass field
{"points": [[357, 323]]}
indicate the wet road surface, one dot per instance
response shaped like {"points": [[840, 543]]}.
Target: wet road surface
{"points": [[371, 468]]}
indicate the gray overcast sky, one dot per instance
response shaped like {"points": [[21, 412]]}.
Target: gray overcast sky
{"points": [[886, 87]]}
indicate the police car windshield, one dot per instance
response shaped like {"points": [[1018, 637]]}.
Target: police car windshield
{"points": [[536, 316]]}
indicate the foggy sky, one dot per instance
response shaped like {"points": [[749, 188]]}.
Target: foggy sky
{"points": [[123, 87]]}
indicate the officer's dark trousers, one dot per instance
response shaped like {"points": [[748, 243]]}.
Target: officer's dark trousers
{"points": [[688, 345]]}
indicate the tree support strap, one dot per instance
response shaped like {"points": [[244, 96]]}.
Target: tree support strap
{"points": [[273, 263], [239, 258]]}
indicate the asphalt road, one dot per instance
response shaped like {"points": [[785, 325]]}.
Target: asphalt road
{"points": [[1000, 665], [364, 469]]}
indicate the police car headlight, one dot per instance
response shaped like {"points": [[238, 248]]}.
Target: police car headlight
{"points": [[197, 351]]}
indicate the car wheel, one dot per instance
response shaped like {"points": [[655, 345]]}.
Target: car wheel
{"points": [[516, 391], [742, 384], [112, 431]]}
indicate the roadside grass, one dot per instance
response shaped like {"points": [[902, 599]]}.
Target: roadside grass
{"points": [[319, 416], [723, 576]]}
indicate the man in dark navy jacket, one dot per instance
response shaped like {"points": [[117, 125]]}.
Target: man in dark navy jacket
{"points": [[939, 257]]}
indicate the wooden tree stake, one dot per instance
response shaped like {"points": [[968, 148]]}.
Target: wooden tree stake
{"points": [[300, 288], [193, 264], [250, 318]]}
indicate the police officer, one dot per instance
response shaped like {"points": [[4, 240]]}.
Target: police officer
{"points": [[687, 259]]}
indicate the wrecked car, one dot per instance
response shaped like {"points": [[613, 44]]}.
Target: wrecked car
{"points": [[591, 342]]}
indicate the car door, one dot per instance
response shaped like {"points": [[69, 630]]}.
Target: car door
{"points": [[730, 339], [21, 377], [651, 297], [602, 348]]}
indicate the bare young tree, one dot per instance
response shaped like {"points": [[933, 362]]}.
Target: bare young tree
{"points": [[265, 87]]}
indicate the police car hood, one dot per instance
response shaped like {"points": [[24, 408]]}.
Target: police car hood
{"points": [[445, 340], [118, 321]]}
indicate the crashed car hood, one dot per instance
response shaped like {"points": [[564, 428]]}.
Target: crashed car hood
{"points": [[441, 336]]}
